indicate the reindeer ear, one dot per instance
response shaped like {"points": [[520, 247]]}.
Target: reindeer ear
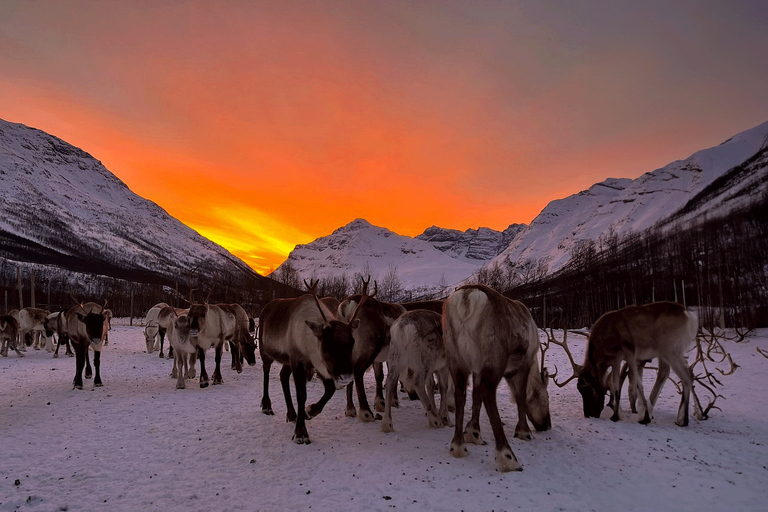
{"points": [[354, 324], [317, 329], [545, 376]]}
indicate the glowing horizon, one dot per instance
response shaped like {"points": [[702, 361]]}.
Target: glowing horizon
{"points": [[264, 125]]}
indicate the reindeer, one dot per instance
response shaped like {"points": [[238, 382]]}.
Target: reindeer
{"points": [[636, 334], [31, 322], [371, 346], [304, 335], [55, 324], [152, 328], [243, 345], [417, 349], [184, 350], [431, 305], [85, 328], [9, 335], [491, 337], [210, 326]]}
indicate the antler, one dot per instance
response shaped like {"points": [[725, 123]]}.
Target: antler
{"points": [[564, 344], [317, 301], [312, 285], [708, 380]]}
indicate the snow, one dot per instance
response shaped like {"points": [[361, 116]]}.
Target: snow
{"points": [[122, 446]]}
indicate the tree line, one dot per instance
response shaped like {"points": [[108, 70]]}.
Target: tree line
{"points": [[718, 265]]}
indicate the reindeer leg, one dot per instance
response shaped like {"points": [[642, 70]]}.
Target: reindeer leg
{"points": [[661, 378], [390, 390], [458, 445], [316, 408], [634, 375], [178, 363], [615, 387], [217, 370], [97, 366], [88, 371], [266, 403], [285, 381], [472, 430], [683, 371], [505, 457], [350, 411], [191, 360], [203, 373], [443, 378], [378, 372], [300, 434], [427, 397], [364, 412], [162, 339], [77, 383]]}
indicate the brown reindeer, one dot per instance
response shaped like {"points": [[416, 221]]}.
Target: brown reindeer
{"points": [[491, 337], [636, 334], [85, 328], [304, 335], [9, 335]]}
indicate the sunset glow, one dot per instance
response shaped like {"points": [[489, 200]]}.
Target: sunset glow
{"points": [[266, 125]]}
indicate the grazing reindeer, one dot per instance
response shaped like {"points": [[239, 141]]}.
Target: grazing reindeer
{"points": [[635, 334], [152, 328], [303, 335], [492, 337], [9, 335], [417, 348], [85, 328]]}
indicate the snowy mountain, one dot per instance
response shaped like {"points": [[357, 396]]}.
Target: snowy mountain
{"points": [[60, 206], [710, 182], [420, 267], [473, 245]]}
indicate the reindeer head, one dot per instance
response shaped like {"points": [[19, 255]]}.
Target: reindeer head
{"points": [[94, 325], [592, 392], [197, 316], [181, 329]]}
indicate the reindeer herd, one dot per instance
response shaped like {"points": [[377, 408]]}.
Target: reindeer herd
{"points": [[475, 334]]}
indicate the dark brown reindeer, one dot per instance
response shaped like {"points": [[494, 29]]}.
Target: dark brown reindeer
{"points": [[371, 346], [636, 334], [303, 335], [85, 330], [9, 335], [491, 337]]}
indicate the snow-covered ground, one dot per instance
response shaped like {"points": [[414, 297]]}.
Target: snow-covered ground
{"points": [[140, 444]]}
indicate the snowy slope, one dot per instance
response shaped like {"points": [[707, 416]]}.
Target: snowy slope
{"points": [[60, 199], [359, 245], [625, 205]]}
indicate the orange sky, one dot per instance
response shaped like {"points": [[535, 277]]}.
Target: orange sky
{"points": [[265, 125]]}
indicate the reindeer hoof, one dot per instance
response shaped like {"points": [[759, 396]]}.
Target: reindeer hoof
{"points": [[88, 374], [506, 461], [379, 406], [98, 384], [77, 386], [301, 439], [204, 384], [180, 385], [473, 436], [268, 412], [459, 450], [350, 413], [365, 416], [55, 356], [290, 417], [161, 356]]}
